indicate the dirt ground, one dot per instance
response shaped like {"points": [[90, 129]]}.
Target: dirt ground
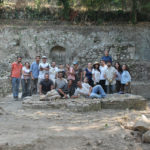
{"points": [[53, 129]]}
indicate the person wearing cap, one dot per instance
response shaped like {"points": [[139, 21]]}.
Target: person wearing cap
{"points": [[110, 76], [88, 74], [78, 73], [44, 68], [102, 68], [106, 57], [96, 73]]}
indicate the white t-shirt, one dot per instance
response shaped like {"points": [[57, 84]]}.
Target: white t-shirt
{"points": [[26, 71], [42, 73], [102, 69], [53, 72], [110, 72], [96, 74], [83, 91]]}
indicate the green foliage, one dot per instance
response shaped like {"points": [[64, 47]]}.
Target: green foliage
{"points": [[38, 3], [1, 1], [66, 8]]}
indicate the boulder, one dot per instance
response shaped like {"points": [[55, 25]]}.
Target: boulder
{"points": [[142, 125], [146, 137]]}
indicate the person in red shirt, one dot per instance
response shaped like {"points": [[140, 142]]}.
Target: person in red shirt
{"points": [[16, 69]]}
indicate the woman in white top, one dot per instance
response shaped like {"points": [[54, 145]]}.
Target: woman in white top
{"points": [[96, 73], [25, 80]]}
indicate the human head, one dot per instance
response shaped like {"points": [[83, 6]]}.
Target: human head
{"points": [[44, 58], [70, 82], [53, 64], [118, 66], [27, 65], [46, 76], [79, 84], [75, 63], [89, 65], [109, 64], [85, 80], [38, 59], [61, 66], [125, 67], [19, 59], [60, 74], [102, 62], [96, 65], [106, 52], [67, 66]]}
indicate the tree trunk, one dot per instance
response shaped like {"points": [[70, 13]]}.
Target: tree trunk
{"points": [[134, 12]]}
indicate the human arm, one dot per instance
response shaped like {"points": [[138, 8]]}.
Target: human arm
{"points": [[61, 92], [40, 89]]}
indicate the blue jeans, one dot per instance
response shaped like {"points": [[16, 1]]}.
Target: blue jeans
{"points": [[15, 86], [97, 92], [25, 87], [110, 89]]}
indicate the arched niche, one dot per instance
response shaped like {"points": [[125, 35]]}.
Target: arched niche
{"points": [[58, 54]]}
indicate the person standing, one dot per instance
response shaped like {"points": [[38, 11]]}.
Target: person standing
{"points": [[16, 68], [110, 76], [88, 74], [118, 77], [106, 57], [125, 80], [25, 80], [43, 69], [78, 73], [34, 75], [53, 71], [96, 73], [103, 68], [70, 74]]}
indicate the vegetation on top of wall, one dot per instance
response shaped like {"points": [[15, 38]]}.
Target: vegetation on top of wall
{"points": [[79, 11]]}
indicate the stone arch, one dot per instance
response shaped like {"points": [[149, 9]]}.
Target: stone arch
{"points": [[58, 54]]}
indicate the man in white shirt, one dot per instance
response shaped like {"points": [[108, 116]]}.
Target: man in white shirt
{"points": [[85, 90], [102, 68], [110, 76], [53, 71], [44, 68]]}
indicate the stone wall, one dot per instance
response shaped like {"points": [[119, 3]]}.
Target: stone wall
{"points": [[127, 44]]}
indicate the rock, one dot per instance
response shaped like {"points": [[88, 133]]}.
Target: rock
{"points": [[124, 101], [2, 111], [146, 137], [142, 125]]}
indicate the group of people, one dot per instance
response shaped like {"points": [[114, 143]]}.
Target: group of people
{"points": [[70, 81]]}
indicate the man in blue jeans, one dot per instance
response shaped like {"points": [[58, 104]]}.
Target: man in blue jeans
{"points": [[16, 69], [85, 90]]}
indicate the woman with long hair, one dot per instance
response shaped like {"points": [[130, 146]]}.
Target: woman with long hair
{"points": [[96, 73], [25, 80], [88, 74], [118, 77]]}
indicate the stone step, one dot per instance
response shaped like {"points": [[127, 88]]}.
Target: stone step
{"points": [[114, 101]]}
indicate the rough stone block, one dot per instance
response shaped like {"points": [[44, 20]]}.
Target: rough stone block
{"points": [[124, 101], [146, 137]]}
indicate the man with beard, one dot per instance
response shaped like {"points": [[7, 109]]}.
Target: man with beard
{"points": [[16, 69]]}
